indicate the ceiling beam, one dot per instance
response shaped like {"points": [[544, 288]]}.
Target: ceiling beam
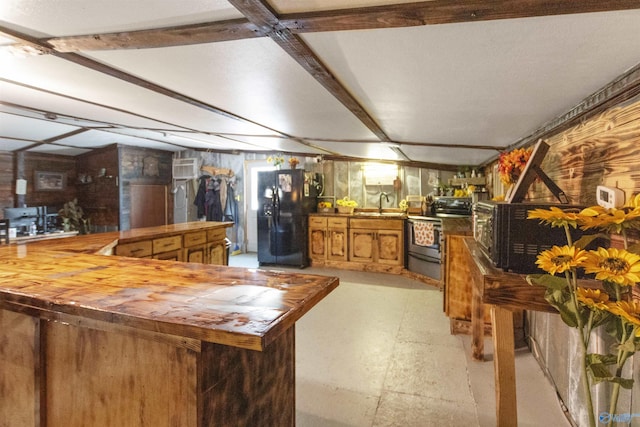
{"points": [[208, 32], [129, 78], [264, 18], [442, 12], [386, 16]]}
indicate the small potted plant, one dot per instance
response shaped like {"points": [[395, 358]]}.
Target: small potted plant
{"points": [[346, 206], [73, 218]]}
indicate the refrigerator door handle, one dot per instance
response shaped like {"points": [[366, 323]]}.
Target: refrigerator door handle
{"points": [[276, 206]]}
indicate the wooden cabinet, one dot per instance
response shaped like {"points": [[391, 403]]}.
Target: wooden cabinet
{"points": [[337, 238], [217, 247], [328, 237], [369, 244], [207, 246], [317, 238], [142, 249], [376, 241], [195, 247], [458, 286]]}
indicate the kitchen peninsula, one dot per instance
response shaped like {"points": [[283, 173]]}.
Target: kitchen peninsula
{"points": [[89, 339]]}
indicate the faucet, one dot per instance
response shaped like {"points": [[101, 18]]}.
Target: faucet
{"points": [[382, 194]]}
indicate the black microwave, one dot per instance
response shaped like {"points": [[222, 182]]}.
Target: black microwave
{"points": [[510, 240]]}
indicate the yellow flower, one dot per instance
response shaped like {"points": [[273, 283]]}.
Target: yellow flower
{"points": [[610, 220], [593, 298], [613, 265], [559, 259], [629, 311], [555, 217]]}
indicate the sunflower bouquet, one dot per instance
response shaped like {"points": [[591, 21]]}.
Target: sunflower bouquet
{"points": [[607, 301]]}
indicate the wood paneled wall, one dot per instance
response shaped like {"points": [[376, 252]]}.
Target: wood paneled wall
{"points": [[604, 150], [7, 181], [99, 196]]}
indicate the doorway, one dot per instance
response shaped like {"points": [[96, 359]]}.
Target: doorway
{"points": [[252, 167]]}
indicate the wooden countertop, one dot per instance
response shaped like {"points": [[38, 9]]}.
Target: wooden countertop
{"points": [[238, 307]]}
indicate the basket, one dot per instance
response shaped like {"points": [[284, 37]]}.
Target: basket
{"points": [[345, 209]]}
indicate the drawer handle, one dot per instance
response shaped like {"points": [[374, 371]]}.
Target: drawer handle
{"points": [[166, 245], [135, 251]]}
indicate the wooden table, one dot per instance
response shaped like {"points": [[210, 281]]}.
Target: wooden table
{"points": [[505, 293], [104, 340]]}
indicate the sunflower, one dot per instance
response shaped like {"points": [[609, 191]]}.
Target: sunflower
{"points": [[611, 220], [629, 311], [555, 217], [559, 259], [593, 298], [613, 265]]}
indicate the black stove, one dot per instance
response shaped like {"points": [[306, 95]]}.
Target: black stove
{"points": [[452, 207]]}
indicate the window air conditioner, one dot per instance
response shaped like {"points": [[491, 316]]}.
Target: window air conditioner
{"points": [[185, 168]]}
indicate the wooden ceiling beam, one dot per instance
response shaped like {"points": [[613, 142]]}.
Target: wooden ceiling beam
{"points": [[209, 32], [385, 16], [442, 12], [259, 13]]}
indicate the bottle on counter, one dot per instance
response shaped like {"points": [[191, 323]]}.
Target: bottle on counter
{"points": [[33, 230]]}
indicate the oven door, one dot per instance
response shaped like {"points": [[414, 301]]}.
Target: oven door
{"points": [[424, 256]]}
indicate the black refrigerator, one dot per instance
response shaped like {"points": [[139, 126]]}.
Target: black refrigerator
{"points": [[286, 198]]}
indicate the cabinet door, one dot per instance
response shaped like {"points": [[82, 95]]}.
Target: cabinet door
{"points": [[170, 255], [390, 247], [196, 254], [317, 243], [362, 245], [218, 253], [337, 244]]}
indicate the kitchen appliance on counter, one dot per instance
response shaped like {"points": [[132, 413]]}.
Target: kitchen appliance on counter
{"points": [[452, 207], [32, 220], [286, 198], [510, 240]]}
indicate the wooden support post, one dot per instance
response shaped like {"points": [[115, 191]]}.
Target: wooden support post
{"points": [[505, 368], [477, 321]]}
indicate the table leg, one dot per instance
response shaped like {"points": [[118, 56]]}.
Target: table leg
{"points": [[505, 367]]}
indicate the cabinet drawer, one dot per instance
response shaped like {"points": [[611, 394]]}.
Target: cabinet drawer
{"points": [[166, 244], [136, 249], [216, 235], [337, 222], [317, 221], [193, 239], [377, 224]]}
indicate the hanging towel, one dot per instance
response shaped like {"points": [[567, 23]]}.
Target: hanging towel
{"points": [[423, 234]]}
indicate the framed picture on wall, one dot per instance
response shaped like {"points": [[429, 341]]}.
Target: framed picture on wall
{"points": [[50, 181]]}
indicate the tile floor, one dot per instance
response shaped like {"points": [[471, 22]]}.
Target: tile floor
{"points": [[377, 352]]}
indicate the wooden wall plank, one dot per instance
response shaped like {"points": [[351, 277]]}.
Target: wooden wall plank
{"points": [[19, 400], [604, 150], [131, 380]]}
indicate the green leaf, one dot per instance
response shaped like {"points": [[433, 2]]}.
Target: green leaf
{"points": [[597, 365], [548, 281], [586, 239], [604, 359]]}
